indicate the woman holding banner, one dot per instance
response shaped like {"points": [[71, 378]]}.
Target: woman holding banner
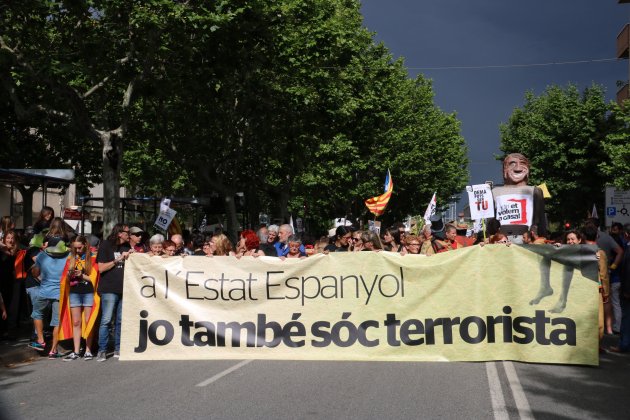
{"points": [[78, 302]]}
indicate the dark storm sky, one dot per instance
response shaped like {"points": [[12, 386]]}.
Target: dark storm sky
{"points": [[444, 33]]}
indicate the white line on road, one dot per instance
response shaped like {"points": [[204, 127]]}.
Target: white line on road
{"points": [[496, 393], [225, 372], [524, 410]]}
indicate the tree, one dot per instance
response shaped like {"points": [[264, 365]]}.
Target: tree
{"points": [[616, 145], [82, 66], [563, 134]]}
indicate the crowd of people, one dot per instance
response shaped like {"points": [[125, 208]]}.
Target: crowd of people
{"points": [[71, 286]]}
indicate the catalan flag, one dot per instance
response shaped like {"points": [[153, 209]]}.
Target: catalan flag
{"points": [[377, 204]]}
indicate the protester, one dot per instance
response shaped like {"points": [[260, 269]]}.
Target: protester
{"points": [[79, 304], [371, 241], [446, 244], [222, 245], [461, 238], [111, 258], [49, 267], [343, 237], [9, 284], [590, 238], [198, 240], [391, 240], [624, 331], [208, 247], [321, 244], [31, 282], [155, 245], [58, 230], [614, 253], [169, 248], [135, 239], [427, 241], [6, 225], [249, 245], [179, 244], [357, 244], [267, 238], [412, 245], [44, 219], [282, 246], [294, 243], [499, 238]]}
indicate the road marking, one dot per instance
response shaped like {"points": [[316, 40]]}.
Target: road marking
{"points": [[496, 393], [225, 372], [524, 410]]}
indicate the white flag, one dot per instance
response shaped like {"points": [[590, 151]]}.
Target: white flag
{"points": [[594, 212], [430, 210]]}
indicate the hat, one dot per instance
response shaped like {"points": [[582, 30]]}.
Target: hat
{"points": [[135, 229], [437, 225], [56, 247], [36, 241]]}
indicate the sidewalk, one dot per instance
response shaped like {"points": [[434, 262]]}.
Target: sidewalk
{"points": [[16, 351]]}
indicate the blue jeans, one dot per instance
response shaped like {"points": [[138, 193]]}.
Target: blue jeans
{"points": [[110, 302]]}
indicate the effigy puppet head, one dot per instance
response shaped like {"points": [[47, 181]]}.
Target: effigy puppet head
{"points": [[515, 169]]}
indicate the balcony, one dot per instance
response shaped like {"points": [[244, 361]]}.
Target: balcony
{"points": [[623, 93], [623, 41]]}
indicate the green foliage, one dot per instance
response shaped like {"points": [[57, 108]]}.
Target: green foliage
{"points": [[616, 145], [563, 132], [290, 101]]}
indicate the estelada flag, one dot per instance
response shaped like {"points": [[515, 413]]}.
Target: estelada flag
{"points": [[377, 204], [65, 315]]}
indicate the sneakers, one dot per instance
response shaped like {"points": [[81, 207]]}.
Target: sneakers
{"points": [[37, 346], [72, 356], [101, 356], [88, 356], [117, 354], [54, 355]]}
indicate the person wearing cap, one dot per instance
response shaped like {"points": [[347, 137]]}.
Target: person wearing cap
{"points": [[135, 239], [49, 266], [111, 257]]}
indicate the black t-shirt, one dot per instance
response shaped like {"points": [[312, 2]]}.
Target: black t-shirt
{"points": [[80, 285], [335, 248], [111, 281], [268, 249]]}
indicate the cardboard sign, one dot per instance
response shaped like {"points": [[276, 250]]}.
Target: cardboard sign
{"points": [[480, 201], [164, 219], [515, 209]]}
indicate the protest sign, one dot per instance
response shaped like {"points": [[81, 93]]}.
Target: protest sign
{"points": [[471, 304], [480, 201]]}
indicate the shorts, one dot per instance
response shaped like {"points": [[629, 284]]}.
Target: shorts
{"points": [[33, 293], [44, 304], [81, 300]]}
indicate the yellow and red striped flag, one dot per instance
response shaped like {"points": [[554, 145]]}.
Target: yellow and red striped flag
{"points": [[377, 204]]}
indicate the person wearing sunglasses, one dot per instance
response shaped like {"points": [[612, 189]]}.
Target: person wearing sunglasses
{"points": [[135, 240]]}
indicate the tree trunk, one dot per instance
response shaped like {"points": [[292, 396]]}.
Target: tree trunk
{"points": [[284, 204], [112, 158]]}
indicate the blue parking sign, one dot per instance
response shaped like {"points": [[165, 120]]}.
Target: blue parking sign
{"points": [[611, 211]]}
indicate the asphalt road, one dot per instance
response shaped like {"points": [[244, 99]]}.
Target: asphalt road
{"points": [[259, 389]]}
